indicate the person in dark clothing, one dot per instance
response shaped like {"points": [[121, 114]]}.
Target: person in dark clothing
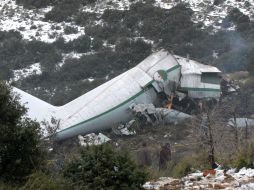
{"points": [[212, 162], [144, 156], [165, 156]]}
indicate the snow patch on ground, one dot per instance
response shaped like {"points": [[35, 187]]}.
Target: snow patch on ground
{"points": [[241, 180], [31, 25], [102, 5], [246, 187], [211, 15], [73, 55], [34, 69]]}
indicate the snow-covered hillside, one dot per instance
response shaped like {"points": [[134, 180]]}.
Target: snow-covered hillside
{"points": [[57, 41], [31, 25], [212, 14]]}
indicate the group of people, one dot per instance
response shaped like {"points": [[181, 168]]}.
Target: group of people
{"points": [[145, 157]]}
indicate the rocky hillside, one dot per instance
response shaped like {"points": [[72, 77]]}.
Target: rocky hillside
{"points": [[58, 50]]}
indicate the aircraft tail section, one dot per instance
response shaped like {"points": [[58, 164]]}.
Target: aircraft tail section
{"points": [[38, 109]]}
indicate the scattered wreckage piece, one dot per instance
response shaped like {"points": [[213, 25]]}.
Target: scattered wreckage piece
{"points": [[241, 122], [93, 139], [157, 80], [124, 129], [155, 115]]}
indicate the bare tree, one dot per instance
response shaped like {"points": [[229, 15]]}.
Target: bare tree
{"points": [[212, 132]]}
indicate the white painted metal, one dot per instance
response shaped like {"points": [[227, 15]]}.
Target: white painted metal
{"points": [[108, 104], [191, 79]]}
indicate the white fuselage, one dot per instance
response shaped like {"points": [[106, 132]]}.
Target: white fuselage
{"points": [[109, 104]]}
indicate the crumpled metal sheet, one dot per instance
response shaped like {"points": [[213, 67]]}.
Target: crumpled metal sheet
{"points": [[161, 114]]}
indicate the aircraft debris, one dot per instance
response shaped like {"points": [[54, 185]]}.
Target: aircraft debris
{"points": [[241, 122], [93, 139], [160, 80], [155, 115], [124, 129]]}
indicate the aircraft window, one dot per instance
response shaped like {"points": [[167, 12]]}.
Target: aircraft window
{"points": [[212, 78]]}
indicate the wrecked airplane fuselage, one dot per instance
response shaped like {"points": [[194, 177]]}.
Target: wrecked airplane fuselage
{"points": [[155, 81]]}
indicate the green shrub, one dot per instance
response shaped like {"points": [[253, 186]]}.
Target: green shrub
{"points": [[102, 167], [97, 44], [85, 18], [190, 163], [218, 2], [241, 20], [68, 10], [113, 16], [4, 186], [81, 45], [19, 151], [42, 181], [63, 11], [34, 3], [49, 61], [70, 30], [245, 158]]}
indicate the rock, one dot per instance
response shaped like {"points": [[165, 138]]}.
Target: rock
{"points": [[209, 172], [219, 186], [175, 184], [228, 178], [210, 186], [215, 179]]}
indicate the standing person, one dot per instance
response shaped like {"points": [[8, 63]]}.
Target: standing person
{"points": [[144, 156], [165, 156]]}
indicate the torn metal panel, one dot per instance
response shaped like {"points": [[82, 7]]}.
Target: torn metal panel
{"points": [[124, 129], [194, 67], [199, 80], [161, 115]]}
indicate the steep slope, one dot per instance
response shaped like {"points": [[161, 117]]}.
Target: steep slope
{"points": [[32, 26], [63, 49]]}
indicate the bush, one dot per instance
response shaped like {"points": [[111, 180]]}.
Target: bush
{"points": [[4, 186], [63, 11], [131, 52], [42, 181], [241, 20], [68, 10], [190, 163], [97, 44], [85, 18], [218, 2], [113, 16], [49, 61], [245, 158], [70, 30], [102, 167], [19, 150], [81, 45], [34, 3]]}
